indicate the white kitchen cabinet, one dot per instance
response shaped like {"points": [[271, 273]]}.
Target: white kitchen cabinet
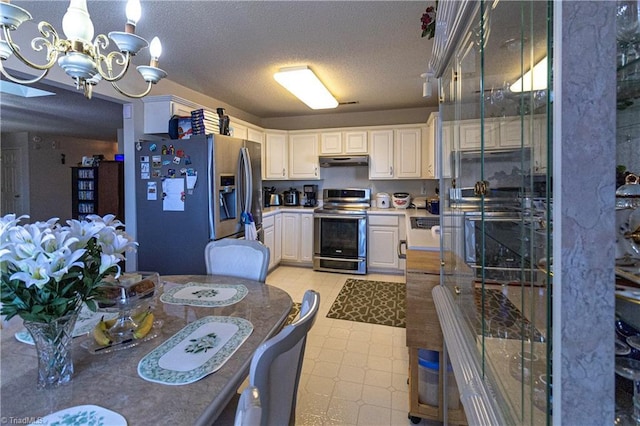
{"points": [[449, 137], [331, 143], [381, 154], [514, 132], [275, 155], [303, 156], [159, 109], [431, 137], [277, 254], [471, 135], [355, 142], [272, 234], [268, 226], [306, 237], [540, 161], [408, 149], [255, 135], [290, 236], [385, 233], [297, 237], [395, 154], [347, 142], [238, 130]]}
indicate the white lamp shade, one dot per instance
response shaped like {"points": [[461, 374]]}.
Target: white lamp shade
{"points": [[76, 23], [304, 84]]}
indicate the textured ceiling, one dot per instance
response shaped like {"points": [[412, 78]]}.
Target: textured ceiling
{"points": [[368, 52]]}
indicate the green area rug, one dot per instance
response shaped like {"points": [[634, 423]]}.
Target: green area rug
{"points": [[373, 302], [293, 313]]}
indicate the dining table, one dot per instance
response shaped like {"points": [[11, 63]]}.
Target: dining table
{"points": [[111, 379]]}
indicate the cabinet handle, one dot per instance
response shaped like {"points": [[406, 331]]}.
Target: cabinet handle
{"points": [[400, 254], [390, 170], [283, 171], [457, 290], [315, 171]]}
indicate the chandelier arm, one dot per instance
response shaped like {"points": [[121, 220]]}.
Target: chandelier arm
{"points": [[123, 60], [141, 95], [20, 81], [37, 45]]}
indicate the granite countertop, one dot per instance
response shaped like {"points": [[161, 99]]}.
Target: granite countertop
{"points": [[111, 379]]}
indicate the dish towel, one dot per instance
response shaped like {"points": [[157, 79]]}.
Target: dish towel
{"points": [[250, 232]]}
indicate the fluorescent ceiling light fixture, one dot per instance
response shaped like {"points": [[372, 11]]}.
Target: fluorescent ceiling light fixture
{"points": [[21, 90], [534, 79], [304, 84]]}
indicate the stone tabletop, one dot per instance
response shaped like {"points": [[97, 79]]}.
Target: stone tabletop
{"points": [[110, 380]]}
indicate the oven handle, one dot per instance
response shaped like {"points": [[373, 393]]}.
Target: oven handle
{"points": [[338, 259], [338, 215], [400, 254]]}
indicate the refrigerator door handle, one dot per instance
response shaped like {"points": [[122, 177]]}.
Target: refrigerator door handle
{"points": [[247, 175]]}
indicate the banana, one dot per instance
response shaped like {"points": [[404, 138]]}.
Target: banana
{"points": [[100, 333], [144, 326], [137, 318], [110, 323]]}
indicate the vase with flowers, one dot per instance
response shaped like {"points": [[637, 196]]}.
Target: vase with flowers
{"points": [[48, 271], [428, 21]]}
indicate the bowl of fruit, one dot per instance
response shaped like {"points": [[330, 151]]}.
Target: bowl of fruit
{"points": [[131, 295]]}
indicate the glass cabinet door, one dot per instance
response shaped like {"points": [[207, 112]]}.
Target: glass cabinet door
{"points": [[496, 227]]}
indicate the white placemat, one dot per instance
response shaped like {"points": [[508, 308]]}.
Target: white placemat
{"points": [[82, 415], [209, 295], [196, 351]]}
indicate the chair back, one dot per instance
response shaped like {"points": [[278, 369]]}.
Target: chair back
{"points": [[276, 365], [249, 411], [237, 258]]}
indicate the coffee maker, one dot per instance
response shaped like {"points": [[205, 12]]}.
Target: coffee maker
{"points": [[310, 195]]}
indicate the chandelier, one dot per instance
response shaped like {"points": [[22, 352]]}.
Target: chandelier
{"points": [[86, 61]]}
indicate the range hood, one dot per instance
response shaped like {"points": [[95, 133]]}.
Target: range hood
{"points": [[343, 160]]}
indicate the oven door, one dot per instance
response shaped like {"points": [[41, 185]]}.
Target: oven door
{"points": [[340, 242]]}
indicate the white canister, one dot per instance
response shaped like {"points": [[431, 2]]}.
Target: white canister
{"points": [[383, 200]]}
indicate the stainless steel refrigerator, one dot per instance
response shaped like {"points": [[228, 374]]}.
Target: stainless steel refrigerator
{"points": [[192, 191]]}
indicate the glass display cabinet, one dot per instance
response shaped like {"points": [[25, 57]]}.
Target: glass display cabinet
{"points": [[494, 299], [627, 339]]}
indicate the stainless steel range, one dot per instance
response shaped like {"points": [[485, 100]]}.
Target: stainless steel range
{"points": [[340, 231]]}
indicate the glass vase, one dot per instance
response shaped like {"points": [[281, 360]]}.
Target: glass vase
{"points": [[53, 345]]}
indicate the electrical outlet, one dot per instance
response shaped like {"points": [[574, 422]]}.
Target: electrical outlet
{"points": [[423, 189]]}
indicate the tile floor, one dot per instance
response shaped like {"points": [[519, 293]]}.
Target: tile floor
{"points": [[353, 373]]}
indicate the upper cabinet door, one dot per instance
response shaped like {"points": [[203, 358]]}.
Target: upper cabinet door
{"points": [[275, 155], [471, 134], [303, 156], [355, 142], [408, 148], [331, 143], [381, 154]]}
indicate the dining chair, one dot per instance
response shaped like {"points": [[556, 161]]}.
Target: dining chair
{"points": [[237, 258], [249, 411], [277, 363]]}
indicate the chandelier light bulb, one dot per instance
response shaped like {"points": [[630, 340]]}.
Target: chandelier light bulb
{"points": [[76, 23], [133, 12], [155, 49], [85, 60]]}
